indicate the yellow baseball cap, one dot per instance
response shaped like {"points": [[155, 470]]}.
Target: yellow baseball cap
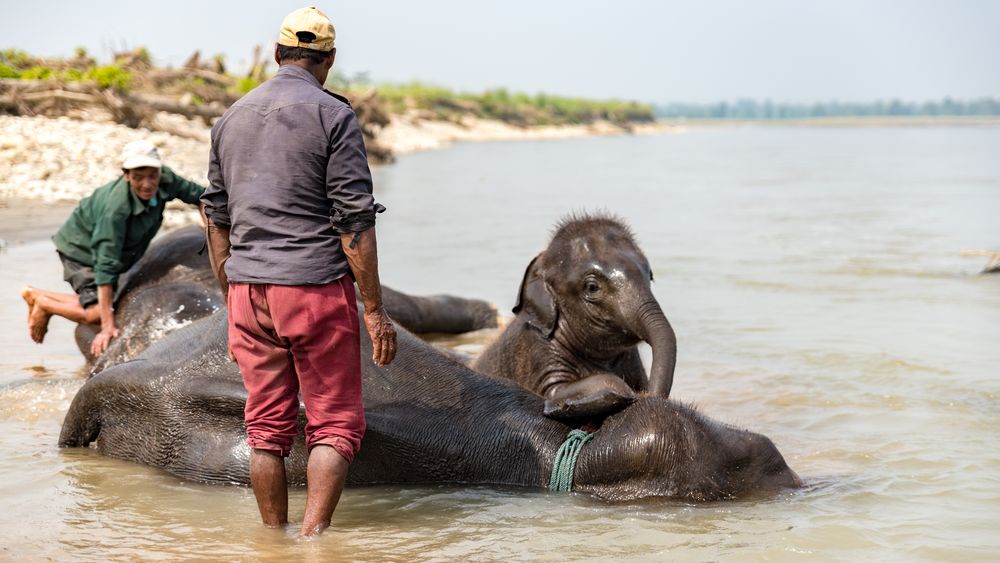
{"points": [[309, 20]]}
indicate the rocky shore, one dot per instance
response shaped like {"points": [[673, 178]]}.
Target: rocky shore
{"points": [[63, 159]]}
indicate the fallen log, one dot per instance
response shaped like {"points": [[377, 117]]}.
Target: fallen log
{"points": [[161, 103], [139, 109], [61, 95]]}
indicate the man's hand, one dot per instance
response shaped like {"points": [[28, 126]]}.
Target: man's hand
{"points": [[383, 335], [362, 255], [109, 330], [102, 340]]}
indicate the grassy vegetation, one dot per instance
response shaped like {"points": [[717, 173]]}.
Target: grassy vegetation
{"points": [[512, 107], [131, 70], [18, 64]]}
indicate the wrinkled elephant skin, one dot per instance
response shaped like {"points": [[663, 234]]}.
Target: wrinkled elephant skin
{"points": [[179, 406], [173, 285], [584, 304]]}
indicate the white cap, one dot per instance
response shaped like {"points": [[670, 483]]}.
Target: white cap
{"points": [[140, 153]]}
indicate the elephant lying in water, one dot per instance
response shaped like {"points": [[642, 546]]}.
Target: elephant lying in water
{"points": [[584, 304], [172, 285], [179, 406]]}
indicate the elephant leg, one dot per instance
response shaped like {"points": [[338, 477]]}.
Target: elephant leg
{"points": [[595, 396], [446, 314]]}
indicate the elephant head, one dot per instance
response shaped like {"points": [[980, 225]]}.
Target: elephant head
{"points": [[584, 304]]}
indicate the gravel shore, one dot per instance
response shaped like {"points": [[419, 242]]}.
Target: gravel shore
{"points": [[54, 162]]}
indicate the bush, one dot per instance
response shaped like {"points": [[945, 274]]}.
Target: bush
{"points": [[512, 107], [246, 84], [8, 72], [110, 76], [15, 58], [71, 75], [37, 73]]}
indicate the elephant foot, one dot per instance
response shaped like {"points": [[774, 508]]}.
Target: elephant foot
{"points": [[595, 406]]}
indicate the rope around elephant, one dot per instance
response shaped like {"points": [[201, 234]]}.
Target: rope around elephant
{"points": [[565, 463]]}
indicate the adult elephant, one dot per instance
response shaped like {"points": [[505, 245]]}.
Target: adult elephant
{"points": [[173, 285], [170, 286], [584, 304], [179, 406]]}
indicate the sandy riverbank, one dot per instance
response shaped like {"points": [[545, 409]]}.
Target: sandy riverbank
{"points": [[410, 133], [63, 159]]}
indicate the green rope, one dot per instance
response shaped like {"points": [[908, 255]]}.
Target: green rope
{"points": [[569, 451]]}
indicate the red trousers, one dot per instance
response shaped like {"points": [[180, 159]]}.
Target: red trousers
{"points": [[291, 339]]}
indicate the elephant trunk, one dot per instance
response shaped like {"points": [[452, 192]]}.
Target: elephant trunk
{"points": [[655, 329]]}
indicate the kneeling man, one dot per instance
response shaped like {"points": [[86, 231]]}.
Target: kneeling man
{"points": [[106, 234]]}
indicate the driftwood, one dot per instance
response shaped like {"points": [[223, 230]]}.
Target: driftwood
{"points": [[171, 91], [373, 116], [167, 75], [129, 109], [258, 69]]}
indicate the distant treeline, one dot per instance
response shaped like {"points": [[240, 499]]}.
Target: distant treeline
{"points": [[753, 109]]}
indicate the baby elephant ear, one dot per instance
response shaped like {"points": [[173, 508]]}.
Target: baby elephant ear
{"points": [[534, 300]]}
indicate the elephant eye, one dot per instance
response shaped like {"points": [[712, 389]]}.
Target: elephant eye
{"points": [[591, 286]]}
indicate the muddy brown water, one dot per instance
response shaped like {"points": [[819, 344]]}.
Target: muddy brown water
{"points": [[812, 276]]}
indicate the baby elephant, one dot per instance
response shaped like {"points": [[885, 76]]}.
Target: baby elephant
{"points": [[583, 306]]}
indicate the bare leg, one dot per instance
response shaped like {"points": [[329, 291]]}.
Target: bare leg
{"points": [[44, 307], [325, 478], [36, 293], [30, 294], [267, 477]]}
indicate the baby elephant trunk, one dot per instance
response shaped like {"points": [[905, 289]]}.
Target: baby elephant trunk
{"points": [[655, 329]]}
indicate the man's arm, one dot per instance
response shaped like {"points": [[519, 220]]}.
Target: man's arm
{"points": [[362, 255], [106, 243], [352, 215], [179, 187], [215, 198], [215, 216], [105, 297], [217, 239]]}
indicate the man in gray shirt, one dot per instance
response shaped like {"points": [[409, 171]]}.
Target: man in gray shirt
{"points": [[291, 220]]}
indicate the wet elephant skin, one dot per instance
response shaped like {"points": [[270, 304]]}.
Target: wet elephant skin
{"points": [[179, 406], [584, 304], [172, 285]]}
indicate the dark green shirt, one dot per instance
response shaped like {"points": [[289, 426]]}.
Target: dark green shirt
{"points": [[111, 228]]}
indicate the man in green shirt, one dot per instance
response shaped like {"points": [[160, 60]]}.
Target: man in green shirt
{"points": [[106, 234]]}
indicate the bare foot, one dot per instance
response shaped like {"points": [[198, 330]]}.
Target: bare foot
{"points": [[28, 294], [38, 322]]}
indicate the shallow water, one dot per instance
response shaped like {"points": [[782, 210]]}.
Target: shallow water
{"points": [[812, 276]]}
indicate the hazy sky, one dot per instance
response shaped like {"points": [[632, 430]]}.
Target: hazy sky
{"points": [[698, 51]]}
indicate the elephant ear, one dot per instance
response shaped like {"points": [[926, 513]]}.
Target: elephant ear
{"points": [[535, 300]]}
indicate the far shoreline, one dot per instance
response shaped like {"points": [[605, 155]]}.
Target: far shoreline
{"points": [[28, 215], [842, 121]]}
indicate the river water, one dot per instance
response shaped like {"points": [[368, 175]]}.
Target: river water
{"points": [[813, 278]]}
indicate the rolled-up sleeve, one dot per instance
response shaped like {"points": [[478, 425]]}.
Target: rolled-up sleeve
{"points": [[216, 198], [106, 243], [348, 178]]}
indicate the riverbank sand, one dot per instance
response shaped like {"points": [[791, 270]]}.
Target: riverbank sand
{"points": [[52, 160]]}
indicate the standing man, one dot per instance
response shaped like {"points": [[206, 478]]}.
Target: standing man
{"points": [[291, 220], [106, 234]]}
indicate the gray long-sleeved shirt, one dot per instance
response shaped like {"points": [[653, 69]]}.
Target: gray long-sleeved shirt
{"points": [[288, 173]]}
